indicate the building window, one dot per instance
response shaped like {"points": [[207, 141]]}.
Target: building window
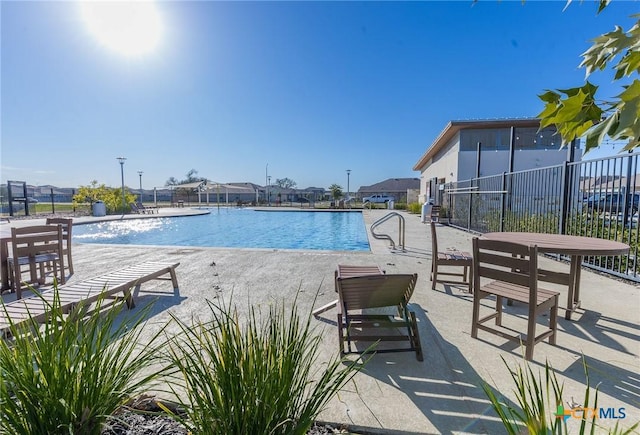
{"points": [[491, 139], [532, 139], [497, 139]]}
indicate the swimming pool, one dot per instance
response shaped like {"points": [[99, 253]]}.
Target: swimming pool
{"points": [[237, 228]]}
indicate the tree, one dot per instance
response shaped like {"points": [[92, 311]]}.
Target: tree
{"points": [[111, 196], [336, 191], [576, 113], [286, 183], [190, 178]]}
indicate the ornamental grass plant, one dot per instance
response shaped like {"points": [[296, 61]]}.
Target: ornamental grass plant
{"points": [[540, 409], [258, 376], [70, 374]]}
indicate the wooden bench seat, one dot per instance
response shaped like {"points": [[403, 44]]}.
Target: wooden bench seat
{"points": [[110, 284]]}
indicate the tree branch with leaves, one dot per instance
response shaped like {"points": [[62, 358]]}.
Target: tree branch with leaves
{"points": [[577, 113]]}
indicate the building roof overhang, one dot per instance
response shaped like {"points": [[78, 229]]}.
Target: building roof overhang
{"points": [[453, 127]]}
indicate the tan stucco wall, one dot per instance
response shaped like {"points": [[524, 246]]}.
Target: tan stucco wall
{"points": [[442, 165]]}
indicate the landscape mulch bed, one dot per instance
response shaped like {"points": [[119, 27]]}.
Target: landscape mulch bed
{"points": [[143, 417]]}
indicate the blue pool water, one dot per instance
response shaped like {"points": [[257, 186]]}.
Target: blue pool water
{"points": [[237, 228]]}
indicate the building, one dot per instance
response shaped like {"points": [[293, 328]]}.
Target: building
{"points": [[244, 192], [478, 148], [396, 187]]}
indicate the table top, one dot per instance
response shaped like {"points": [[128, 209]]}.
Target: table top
{"points": [[562, 243]]}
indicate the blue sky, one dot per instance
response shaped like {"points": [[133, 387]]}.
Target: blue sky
{"points": [[310, 89]]}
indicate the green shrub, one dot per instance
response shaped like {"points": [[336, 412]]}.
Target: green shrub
{"points": [[111, 196], [70, 374], [415, 207], [255, 378]]}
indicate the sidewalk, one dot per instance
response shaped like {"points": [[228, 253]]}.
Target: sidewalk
{"points": [[395, 392]]}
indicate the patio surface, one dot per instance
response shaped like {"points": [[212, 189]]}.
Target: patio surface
{"points": [[395, 393]]}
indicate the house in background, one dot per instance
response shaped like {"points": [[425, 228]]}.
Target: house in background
{"points": [[244, 192], [479, 148], [399, 188], [313, 194]]}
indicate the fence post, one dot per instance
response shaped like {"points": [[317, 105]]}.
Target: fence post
{"points": [[470, 205], [450, 207], [627, 206], [565, 197], [503, 200], [53, 204]]}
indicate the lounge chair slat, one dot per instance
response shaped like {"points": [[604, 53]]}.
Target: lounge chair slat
{"points": [[109, 284]]}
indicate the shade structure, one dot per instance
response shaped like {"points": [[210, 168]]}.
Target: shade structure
{"points": [[223, 187]]}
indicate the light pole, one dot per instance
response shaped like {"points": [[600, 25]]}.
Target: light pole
{"points": [[140, 174], [348, 174], [121, 160], [268, 193], [266, 181]]}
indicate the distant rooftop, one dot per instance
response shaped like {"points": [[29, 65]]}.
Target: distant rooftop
{"points": [[392, 185]]}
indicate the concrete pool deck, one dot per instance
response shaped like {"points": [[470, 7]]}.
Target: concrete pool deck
{"points": [[395, 393]]}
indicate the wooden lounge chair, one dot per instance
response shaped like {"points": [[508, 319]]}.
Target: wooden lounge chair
{"points": [[35, 246], [514, 269], [347, 271], [450, 257], [88, 291], [145, 209], [376, 291], [135, 208]]}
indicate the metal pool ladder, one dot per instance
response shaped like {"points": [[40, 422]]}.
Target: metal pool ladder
{"points": [[387, 236]]}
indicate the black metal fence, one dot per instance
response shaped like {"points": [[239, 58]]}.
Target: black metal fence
{"points": [[594, 198]]}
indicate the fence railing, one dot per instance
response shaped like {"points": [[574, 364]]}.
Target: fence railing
{"points": [[594, 198]]}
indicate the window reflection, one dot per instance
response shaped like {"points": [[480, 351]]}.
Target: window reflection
{"points": [[528, 138]]}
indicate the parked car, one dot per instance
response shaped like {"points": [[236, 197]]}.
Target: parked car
{"points": [[612, 202], [377, 199]]}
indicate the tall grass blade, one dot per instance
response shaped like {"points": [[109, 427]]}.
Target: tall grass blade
{"points": [[257, 376], [534, 396], [70, 373]]}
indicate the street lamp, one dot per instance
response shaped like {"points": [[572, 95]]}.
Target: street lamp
{"points": [[268, 193], [140, 174], [266, 181], [121, 160], [348, 174]]}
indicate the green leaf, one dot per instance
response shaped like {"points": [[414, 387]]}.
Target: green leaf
{"points": [[627, 115], [631, 92], [603, 4], [628, 65], [550, 97], [595, 136], [571, 107], [631, 145], [571, 91], [547, 116], [605, 47]]}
